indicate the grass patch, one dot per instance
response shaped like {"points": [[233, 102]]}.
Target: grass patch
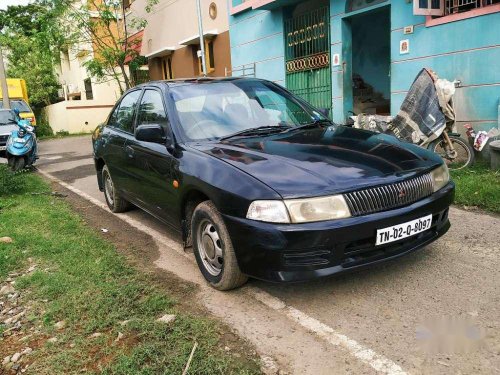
{"points": [[81, 279], [10, 182], [478, 186]]}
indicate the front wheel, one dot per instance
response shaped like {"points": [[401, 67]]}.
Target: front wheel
{"points": [[463, 156], [214, 250], [16, 163], [114, 200]]}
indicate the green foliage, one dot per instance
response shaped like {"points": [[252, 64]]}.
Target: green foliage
{"points": [[478, 186], [43, 128], [11, 183], [109, 35], [32, 36], [81, 279]]}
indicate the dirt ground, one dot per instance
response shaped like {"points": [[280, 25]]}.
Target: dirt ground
{"points": [[432, 312]]}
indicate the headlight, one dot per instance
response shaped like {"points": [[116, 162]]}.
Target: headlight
{"points": [[317, 209], [440, 177], [299, 210], [270, 211]]}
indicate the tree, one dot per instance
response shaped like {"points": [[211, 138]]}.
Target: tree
{"points": [[31, 37], [101, 25]]}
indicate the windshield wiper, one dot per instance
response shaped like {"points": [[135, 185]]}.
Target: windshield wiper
{"points": [[313, 124], [261, 130]]}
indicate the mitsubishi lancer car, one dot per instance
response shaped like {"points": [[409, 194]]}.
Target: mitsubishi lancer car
{"points": [[261, 184]]}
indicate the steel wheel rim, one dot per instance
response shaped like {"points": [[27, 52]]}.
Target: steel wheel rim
{"points": [[108, 188], [210, 247]]}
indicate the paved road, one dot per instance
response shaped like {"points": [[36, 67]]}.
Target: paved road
{"points": [[436, 311]]}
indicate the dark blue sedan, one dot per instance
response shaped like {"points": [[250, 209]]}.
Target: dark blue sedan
{"points": [[261, 184]]}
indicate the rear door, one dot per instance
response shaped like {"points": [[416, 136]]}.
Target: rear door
{"points": [[120, 127], [154, 167]]}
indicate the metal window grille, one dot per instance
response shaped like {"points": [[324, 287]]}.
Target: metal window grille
{"points": [[458, 6]]}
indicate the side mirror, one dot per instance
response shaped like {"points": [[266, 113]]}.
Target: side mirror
{"points": [[150, 133]]}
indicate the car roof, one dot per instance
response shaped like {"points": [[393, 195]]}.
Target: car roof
{"points": [[196, 80]]}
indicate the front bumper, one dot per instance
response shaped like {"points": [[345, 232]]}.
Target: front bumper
{"points": [[296, 252]]}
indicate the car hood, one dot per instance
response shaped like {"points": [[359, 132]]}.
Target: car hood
{"points": [[320, 161], [7, 129]]}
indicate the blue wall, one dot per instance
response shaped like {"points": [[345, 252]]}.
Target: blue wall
{"points": [[257, 37], [466, 50]]}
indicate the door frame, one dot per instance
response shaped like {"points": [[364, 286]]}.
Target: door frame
{"points": [[346, 30]]}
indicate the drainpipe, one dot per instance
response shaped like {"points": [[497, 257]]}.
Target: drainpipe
{"points": [[3, 81], [202, 42]]}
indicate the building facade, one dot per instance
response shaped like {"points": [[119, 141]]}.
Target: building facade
{"points": [[363, 55], [170, 40]]}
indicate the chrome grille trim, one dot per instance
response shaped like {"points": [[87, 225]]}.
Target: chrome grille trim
{"points": [[387, 197]]}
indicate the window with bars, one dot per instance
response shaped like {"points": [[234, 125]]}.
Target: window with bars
{"points": [[458, 6], [448, 7]]}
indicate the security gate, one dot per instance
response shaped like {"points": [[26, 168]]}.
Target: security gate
{"points": [[307, 57]]}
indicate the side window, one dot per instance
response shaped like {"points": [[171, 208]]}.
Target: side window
{"points": [[123, 116], [151, 109]]}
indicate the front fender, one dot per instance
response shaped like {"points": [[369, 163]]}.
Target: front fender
{"points": [[20, 149]]}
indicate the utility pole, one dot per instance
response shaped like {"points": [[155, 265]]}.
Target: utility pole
{"points": [[3, 82], [202, 42]]}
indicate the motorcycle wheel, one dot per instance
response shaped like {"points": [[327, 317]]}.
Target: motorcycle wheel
{"points": [[16, 163], [465, 153]]}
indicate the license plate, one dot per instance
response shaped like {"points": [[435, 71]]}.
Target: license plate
{"points": [[400, 231], [2, 148]]}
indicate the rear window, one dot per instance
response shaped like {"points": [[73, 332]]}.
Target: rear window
{"points": [[20, 104]]}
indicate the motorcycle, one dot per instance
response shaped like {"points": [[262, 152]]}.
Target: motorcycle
{"points": [[427, 119], [22, 147]]}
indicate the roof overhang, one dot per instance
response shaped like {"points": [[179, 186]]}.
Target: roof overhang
{"points": [[195, 39], [165, 51]]}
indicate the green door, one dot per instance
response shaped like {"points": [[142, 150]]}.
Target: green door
{"points": [[307, 57]]}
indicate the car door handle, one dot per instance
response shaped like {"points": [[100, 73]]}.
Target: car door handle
{"points": [[129, 151]]}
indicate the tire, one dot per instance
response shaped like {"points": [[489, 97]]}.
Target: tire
{"points": [[214, 250], [465, 152], [16, 163], [115, 202]]}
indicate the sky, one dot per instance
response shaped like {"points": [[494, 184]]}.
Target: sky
{"points": [[5, 3]]}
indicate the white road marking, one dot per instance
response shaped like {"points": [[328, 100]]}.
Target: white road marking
{"points": [[366, 355]]}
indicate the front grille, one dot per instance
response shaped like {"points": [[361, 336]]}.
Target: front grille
{"points": [[3, 139], [391, 196]]}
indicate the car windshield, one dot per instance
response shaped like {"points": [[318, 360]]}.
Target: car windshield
{"points": [[20, 104], [212, 110], [6, 117]]}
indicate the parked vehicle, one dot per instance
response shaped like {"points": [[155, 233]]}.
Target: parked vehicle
{"points": [[426, 118], [261, 184], [7, 125], [21, 147], [455, 150], [18, 95]]}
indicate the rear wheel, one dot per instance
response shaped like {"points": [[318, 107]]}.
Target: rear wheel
{"points": [[16, 163], [115, 202], [214, 250], [463, 156]]}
